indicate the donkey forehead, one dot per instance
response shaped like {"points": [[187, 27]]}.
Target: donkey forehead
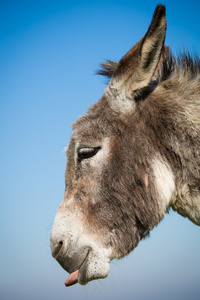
{"points": [[94, 125]]}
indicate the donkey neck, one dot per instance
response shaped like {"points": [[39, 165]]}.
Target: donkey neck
{"points": [[178, 124]]}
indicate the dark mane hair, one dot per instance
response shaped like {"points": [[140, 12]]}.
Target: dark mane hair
{"points": [[107, 68], [184, 63]]}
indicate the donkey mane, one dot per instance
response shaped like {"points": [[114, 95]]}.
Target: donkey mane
{"points": [[183, 64], [107, 68]]}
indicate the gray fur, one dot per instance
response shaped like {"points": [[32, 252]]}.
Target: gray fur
{"points": [[141, 119]]}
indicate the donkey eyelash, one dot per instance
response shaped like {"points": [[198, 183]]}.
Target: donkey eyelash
{"points": [[87, 152]]}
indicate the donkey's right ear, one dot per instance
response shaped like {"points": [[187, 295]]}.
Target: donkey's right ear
{"points": [[136, 69]]}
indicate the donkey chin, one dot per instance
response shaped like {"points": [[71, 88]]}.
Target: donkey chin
{"points": [[79, 254]]}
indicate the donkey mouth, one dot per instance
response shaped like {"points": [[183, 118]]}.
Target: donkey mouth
{"points": [[80, 273], [93, 267]]}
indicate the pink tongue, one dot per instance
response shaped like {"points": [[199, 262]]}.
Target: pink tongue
{"points": [[72, 279]]}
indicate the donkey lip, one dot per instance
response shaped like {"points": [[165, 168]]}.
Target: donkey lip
{"points": [[73, 264], [74, 275]]}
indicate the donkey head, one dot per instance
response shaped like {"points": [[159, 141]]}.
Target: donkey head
{"points": [[113, 196]]}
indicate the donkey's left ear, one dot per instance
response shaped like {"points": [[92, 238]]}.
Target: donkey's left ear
{"points": [[136, 69], [151, 47]]}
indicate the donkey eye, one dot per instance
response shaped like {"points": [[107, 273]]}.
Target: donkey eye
{"points": [[87, 152]]}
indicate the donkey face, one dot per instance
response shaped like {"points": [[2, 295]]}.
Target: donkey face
{"points": [[113, 196]]}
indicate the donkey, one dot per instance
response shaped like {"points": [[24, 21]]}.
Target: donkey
{"points": [[134, 155]]}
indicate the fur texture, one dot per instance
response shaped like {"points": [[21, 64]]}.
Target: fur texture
{"points": [[132, 156]]}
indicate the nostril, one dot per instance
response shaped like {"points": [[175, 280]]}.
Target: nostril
{"points": [[57, 249]]}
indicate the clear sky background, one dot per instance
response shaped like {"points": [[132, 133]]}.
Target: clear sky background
{"points": [[49, 51]]}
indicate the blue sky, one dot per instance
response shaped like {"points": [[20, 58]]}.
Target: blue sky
{"points": [[49, 51]]}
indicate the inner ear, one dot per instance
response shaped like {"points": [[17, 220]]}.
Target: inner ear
{"points": [[151, 47], [136, 68], [133, 78]]}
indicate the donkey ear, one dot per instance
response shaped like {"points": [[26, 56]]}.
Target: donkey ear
{"points": [[151, 47], [136, 69]]}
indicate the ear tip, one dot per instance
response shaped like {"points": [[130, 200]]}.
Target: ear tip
{"points": [[160, 10], [158, 20]]}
